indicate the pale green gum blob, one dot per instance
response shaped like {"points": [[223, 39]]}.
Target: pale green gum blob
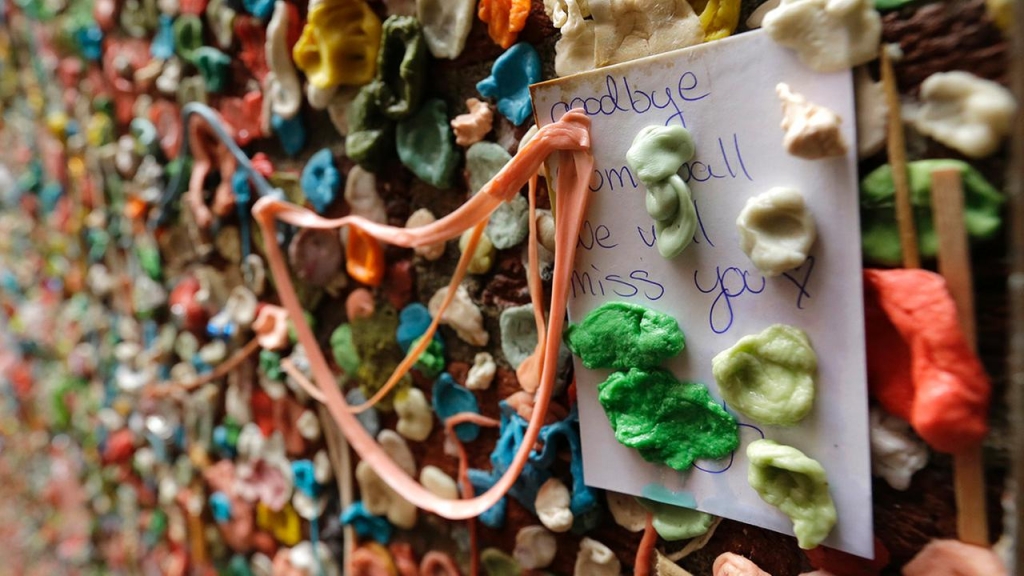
{"points": [[497, 563], [675, 523], [795, 484], [769, 377], [510, 223], [657, 154]]}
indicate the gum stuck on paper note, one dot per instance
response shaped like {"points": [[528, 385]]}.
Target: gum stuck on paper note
{"points": [[724, 93]]}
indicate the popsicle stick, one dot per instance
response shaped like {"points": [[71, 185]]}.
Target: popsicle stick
{"points": [[954, 256], [955, 267], [897, 150]]}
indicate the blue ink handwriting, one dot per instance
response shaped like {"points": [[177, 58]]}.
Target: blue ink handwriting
{"points": [[730, 283], [687, 89], [801, 285]]}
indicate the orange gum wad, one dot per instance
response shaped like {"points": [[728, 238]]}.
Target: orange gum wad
{"points": [[920, 366]]}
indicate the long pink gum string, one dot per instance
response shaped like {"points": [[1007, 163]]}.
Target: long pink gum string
{"points": [[570, 138], [423, 342]]}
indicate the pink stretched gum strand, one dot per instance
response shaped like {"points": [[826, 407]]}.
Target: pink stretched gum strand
{"points": [[570, 139], [920, 366]]}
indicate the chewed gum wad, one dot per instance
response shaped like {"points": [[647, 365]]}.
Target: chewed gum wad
{"points": [[621, 336], [668, 422], [795, 484], [776, 230], [769, 377], [656, 155]]}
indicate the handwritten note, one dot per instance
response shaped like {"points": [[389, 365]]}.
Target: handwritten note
{"points": [[724, 94]]}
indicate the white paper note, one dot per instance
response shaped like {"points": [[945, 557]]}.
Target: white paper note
{"points": [[724, 94]]}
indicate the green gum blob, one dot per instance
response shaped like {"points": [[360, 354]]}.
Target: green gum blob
{"points": [[675, 523], [188, 35], [497, 563], [431, 362], [510, 223], [270, 364], [879, 232], [425, 144], [213, 67], [400, 62], [379, 353], [795, 484], [518, 330], [344, 349], [620, 336], [769, 377], [669, 422], [484, 160], [656, 155], [371, 136]]}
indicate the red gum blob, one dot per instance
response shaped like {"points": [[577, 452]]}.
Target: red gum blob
{"points": [[244, 115], [252, 39], [920, 366], [405, 561], [209, 153], [167, 119]]}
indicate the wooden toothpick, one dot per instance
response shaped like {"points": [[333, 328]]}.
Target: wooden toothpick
{"points": [[897, 150], [955, 267]]}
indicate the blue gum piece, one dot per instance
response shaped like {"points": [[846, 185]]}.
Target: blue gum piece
{"points": [[365, 524], [261, 9], [510, 79], [162, 46], [290, 131], [305, 478], [449, 399], [220, 507], [321, 180], [413, 322]]}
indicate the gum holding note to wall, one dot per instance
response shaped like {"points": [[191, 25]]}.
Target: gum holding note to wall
{"points": [[657, 154]]}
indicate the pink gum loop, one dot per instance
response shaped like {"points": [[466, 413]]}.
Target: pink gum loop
{"points": [[570, 139], [435, 563]]}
